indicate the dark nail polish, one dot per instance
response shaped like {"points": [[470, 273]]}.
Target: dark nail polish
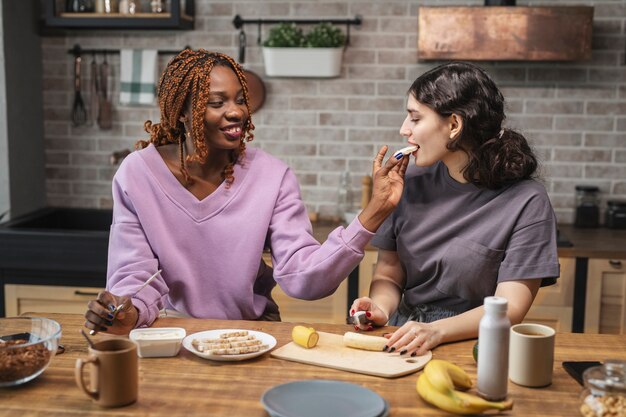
{"points": [[111, 307], [403, 352], [393, 349], [108, 323], [110, 316], [385, 348], [368, 314], [103, 329], [414, 354], [352, 312], [356, 327]]}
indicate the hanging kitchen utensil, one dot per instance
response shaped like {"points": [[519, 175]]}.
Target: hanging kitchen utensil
{"points": [[79, 114], [104, 116], [256, 87], [93, 92]]}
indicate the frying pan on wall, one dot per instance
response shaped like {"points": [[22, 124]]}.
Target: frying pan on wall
{"points": [[256, 87]]}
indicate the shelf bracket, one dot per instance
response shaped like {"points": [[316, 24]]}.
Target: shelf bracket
{"points": [[78, 51]]}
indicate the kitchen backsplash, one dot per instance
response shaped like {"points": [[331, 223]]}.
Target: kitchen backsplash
{"points": [[574, 114]]}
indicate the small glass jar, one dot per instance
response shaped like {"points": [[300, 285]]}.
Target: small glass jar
{"points": [[587, 206], [615, 214], [605, 390], [345, 198]]}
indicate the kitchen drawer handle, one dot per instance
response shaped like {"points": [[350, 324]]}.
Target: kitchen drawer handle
{"points": [[85, 293], [615, 264]]}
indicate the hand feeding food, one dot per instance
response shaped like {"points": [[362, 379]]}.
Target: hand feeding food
{"points": [[405, 151]]}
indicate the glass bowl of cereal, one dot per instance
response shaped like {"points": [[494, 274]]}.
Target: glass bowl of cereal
{"points": [[27, 345], [605, 390]]}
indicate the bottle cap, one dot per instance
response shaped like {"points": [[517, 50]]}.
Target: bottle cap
{"points": [[496, 304]]}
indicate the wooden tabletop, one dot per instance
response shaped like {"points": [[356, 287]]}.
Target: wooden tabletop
{"points": [[189, 385]]}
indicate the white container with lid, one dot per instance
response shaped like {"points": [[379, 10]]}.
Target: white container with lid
{"points": [[158, 342]]}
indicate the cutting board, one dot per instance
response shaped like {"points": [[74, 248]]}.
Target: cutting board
{"points": [[331, 353]]}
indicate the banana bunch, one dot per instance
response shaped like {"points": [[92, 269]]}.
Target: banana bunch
{"points": [[436, 385]]}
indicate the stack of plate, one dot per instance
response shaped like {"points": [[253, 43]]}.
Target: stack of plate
{"points": [[316, 398]]}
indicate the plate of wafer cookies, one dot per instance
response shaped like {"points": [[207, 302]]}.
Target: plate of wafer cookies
{"points": [[229, 344]]}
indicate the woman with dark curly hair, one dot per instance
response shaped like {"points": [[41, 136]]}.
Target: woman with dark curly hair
{"points": [[471, 222], [199, 205]]}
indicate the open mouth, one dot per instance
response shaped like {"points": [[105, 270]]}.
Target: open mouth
{"points": [[233, 131]]}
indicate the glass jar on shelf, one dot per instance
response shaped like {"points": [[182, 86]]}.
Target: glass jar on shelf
{"points": [[346, 211], [587, 206], [605, 390]]}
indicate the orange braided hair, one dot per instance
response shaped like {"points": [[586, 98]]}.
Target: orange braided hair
{"points": [[188, 77]]}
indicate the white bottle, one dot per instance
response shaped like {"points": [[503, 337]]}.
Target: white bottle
{"points": [[493, 350]]}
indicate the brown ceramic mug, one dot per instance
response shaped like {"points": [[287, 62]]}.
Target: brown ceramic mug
{"points": [[113, 373]]}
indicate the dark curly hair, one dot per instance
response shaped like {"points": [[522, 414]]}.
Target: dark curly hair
{"points": [[187, 79], [497, 157]]}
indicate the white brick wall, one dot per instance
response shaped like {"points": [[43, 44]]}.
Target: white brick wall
{"points": [[573, 113]]}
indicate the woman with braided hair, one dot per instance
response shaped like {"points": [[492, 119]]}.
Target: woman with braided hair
{"points": [[198, 204], [471, 222]]}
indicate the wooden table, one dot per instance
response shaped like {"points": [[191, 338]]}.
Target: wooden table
{"points": [[188, 385]]}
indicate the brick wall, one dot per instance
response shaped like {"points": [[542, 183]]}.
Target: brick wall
{"points": [[574, 114]]}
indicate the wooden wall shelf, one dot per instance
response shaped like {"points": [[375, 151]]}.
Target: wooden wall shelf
{"points": [[505, 33], [174, 19]]}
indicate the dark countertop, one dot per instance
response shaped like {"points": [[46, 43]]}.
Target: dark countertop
{"points": [[587, 243], [593, 243]]}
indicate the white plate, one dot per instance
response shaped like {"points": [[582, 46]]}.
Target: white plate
{"points": [[314, 398], [265, 339]]}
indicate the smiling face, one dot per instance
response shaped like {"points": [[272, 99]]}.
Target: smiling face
{"points": [[226, 112], [431, 133]]}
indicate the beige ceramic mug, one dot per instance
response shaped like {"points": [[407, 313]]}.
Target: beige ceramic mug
{"points": [[113, 372], [531, 354]]}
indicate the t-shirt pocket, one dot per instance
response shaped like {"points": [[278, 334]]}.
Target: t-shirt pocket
{"points": [[469, 270]]}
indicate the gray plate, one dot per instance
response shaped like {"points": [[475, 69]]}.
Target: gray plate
{"points": [[316, 398]]}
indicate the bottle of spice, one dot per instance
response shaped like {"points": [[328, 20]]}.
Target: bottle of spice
{"points": [[587, 206], [493, 350], [123, 6]]}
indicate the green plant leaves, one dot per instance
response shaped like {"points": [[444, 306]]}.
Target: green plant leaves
{"points": [[289, 35]]}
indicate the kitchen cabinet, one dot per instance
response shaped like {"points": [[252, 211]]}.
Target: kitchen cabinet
{"points": [[366, 272], [178, 15], [331, 309], [547, 33], [606, 297], [20, 299], [553, 305]]}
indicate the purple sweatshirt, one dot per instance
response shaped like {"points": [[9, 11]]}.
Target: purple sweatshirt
{"points": [[210, 250]]}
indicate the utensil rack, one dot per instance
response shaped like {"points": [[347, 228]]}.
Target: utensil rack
{"points": [[238, 22], [78, 51]]}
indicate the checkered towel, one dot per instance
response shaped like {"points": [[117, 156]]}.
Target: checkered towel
{"points": [[138, 76]]}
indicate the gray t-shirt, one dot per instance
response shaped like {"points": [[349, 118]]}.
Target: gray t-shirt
{"points": [[456, 241]]}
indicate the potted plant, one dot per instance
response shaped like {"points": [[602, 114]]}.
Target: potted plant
{"points": [[288, 52]]}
